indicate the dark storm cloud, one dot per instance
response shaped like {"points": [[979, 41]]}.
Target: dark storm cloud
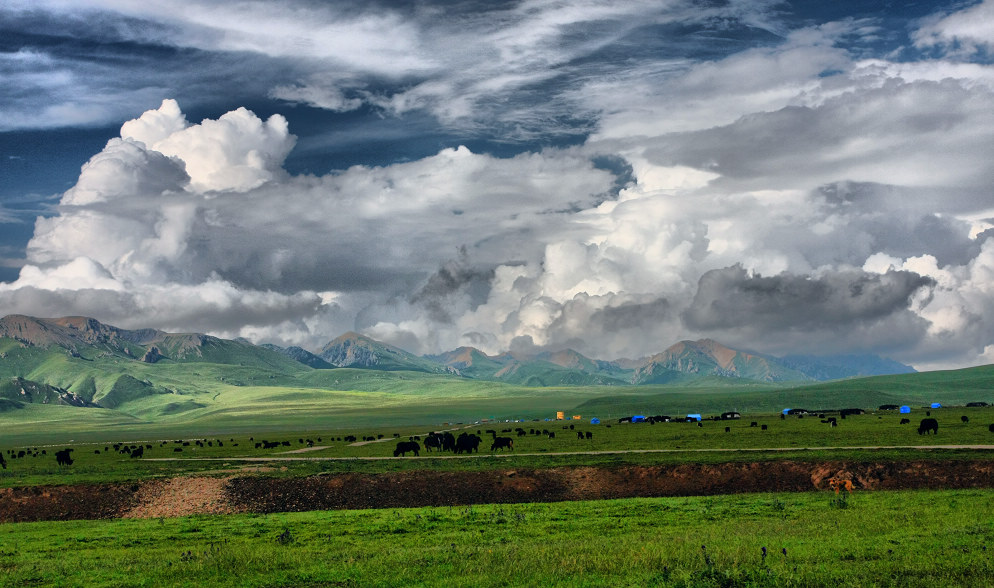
{"points": [[731, 297], [630, 315], [470, 284]]}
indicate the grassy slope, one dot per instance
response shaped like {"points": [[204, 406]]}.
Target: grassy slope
{"points": [[277, 393]]}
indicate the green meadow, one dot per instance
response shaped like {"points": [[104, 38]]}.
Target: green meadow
{"points": [[907, 538], [879, 538], [311, 450]]}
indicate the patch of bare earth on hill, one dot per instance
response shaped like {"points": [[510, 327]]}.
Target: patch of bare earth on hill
{"points": [[244, 492]]}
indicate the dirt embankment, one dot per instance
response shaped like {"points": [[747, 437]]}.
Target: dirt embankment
{"points": [[203, 495]]}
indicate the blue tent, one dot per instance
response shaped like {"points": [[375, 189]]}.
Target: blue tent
{"points": [[936, 405], [595, 421], [905, 409], [696, 417], [638, 418], [785, 411]]}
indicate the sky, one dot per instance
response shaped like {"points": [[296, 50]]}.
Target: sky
{"points": [[612, 177]]}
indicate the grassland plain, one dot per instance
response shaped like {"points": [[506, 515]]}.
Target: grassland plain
{"points": [[905, 538], [873, 538], [326, 450]]}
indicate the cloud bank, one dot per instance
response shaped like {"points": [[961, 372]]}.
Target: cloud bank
{"points": [[797, 195]]}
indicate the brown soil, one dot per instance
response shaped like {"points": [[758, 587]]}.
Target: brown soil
{"points": [[181, 497], [253, 493]]}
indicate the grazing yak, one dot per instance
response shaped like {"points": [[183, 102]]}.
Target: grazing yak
{"points": [[62, 457], [965, 419], [138, 452], [990, 427], [905, 421], [433, 441], [502, 442], [928, 425], [468, 443], [3, 462], [405, 446]]}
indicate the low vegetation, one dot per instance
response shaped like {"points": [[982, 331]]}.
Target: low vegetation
{"points": [[920, 538]]}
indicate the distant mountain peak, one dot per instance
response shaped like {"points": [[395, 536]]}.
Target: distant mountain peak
{"points": [[353, 349], [707, 357]]}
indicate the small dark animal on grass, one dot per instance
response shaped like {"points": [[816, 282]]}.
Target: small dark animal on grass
{"points": [[403, 447], [62, 457], [3, 462], [905, 421], [502, 442], [965, 419], [468, 443], [764, 427], [589, 435], [753, 424], [432, 441], [728, 429], [138, 452], [928, 425], [991, 427]]}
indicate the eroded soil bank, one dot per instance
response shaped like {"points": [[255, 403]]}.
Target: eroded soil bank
{"points": [[200, 495]]}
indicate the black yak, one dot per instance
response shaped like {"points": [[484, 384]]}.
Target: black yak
{"points": [[928, 425], [502, 442], [432, 441], [468, 443], [405, 446], [905, 421], [62, 457]]}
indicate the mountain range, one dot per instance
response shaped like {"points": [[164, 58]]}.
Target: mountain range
{"points": [[79, 361], [681, 362]]}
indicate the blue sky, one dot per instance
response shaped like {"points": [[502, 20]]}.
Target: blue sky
{"points": [[612, 177]]}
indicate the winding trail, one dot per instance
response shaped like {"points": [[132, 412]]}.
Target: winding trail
{"points": [[280, 457]]}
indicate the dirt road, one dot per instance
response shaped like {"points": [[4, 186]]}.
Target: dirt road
{"points": [[438, 455]]}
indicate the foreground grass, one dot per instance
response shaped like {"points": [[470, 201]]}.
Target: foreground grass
{"points": [[911, 538]]}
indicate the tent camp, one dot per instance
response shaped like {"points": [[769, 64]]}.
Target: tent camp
{"points": [[595, 421], [905, 409], [696, 417], [639, 418], [936, 405]]}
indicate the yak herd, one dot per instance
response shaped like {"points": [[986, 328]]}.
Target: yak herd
{"points": [[469, 442], [464, 443]]}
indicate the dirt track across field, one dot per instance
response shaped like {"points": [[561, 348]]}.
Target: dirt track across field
{"points": [[255, 493], [440, 455]]}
